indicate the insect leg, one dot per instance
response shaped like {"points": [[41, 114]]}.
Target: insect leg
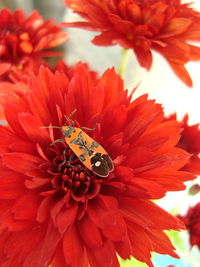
{"points": [[64, 156], [49, 127], [89, 129], [69, 162], [57, 141]]}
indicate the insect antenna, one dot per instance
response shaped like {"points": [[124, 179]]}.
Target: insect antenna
{"points": [[46, 127], [69, 117]]}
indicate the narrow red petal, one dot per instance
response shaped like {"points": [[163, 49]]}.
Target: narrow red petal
{"points": [[90, 233], [72, 246], [33, 128], [26, 206], [21, 162], [12, 186], [66, 218]]}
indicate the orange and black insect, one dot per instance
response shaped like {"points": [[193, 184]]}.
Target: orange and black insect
{"points": [[90, 153]]}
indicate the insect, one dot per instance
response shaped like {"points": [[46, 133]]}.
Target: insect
{"points": [[90, 153]]}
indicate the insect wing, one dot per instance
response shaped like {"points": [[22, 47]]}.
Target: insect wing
{"points": [[101, 163]]}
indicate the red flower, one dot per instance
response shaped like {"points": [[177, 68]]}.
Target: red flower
{"points": [[165, 26], [192, 223], [53, 213], [190, 141], [25, 41]]}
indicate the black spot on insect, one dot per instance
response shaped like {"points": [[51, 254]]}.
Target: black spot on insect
{"points": [[101, 164]]}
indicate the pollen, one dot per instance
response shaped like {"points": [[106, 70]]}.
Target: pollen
{"points": [[26, 47], [24, 36]]}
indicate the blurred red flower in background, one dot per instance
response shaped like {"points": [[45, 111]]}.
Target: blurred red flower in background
{"points": [[24, 42], [192, 223], [165, 26], [55, 214], [190, 141]]}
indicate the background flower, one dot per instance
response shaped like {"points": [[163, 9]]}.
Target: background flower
{"points": [[160, 25], [53, 213], [190, 141], [192, 222], [24, 42]]}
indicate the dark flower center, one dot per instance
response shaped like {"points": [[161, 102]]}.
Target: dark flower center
{"points": [[70, 175]]}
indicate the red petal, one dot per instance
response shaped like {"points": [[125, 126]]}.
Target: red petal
{"points": [[59, 259], [90, 233], [26, 206], [4, 67], [156, 216], [73, 250], [182, 73], [21, 162], [177, 26], [6, 139], [44, 209], [33, 128], [101, 210], [22, 242], [38, 96], [15, 225], [194, 52], [23, 146], [104, 256], [158, 140], [123, 248], [152, 189], [144, 57], [12, 186], [107, 38], [42, 255], [138, 156], [141, 244], [66, 217], [36, 182], [161, 243], [117, 230], [17, 106], [119, 116], [113, 88]]}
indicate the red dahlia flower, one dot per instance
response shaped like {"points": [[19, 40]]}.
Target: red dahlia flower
{"points": [[192, 223], [190, 141], [165, 26], [55, 212], [25, 41]]}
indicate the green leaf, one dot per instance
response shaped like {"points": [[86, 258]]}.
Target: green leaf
{"points": [[177, 239], [131, 263]]}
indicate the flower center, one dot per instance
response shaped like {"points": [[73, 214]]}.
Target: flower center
{"points": [[75, 177], [70, 175], [14, 43]]}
